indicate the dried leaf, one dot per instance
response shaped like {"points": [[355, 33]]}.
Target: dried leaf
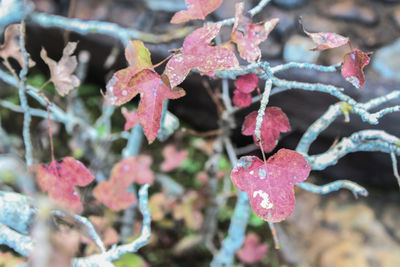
{"points": [[274, 122], [59, 179], [197, 9], [197, 52], [247, 83], [252, 250], [61, 72], [172, 158], [270, 185], [353, 65], [248, 36], [11, 48]]}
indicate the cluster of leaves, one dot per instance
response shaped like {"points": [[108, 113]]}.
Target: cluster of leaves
{"points": [[197, 52], [269, 184]]}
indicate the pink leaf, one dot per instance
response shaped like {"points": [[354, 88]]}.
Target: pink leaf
{"points": [[353, 65], [252, 251], [140, 78], [197, 52], [172, 158], [326, 40], [240, 99], [274, 122], [59, 179], [248, 36], [197, 9], [131, 118], [270, 185], [113, 193], [247, 83]]}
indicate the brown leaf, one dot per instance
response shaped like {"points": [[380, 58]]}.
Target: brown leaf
{"points": [[61, 72], [10, 48]]}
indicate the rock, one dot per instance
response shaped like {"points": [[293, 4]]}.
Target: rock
{"points": [[350, 11], [270, 48], [297, 49], [317, 23], [289, 3], [286, 18], [386, 61], [396, 16], [344, 232]]}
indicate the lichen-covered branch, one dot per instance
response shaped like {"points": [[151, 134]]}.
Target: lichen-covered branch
{"points": [[22, 98], [117, 251], [355, 188], [106, 28], [366, 140], [22, 244]]}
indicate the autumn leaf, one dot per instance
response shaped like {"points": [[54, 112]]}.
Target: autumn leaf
{"points": [[10, 48], [59, 179], [197, 9], [153, 92], [172, 158], [326, 40], [131, 118], [275, 121], [140, 78], [112, 193], [269, 185], [252, 250], [61, 72], [198, 53], [353, 65], [247, 83], [248, 36], [240, 99]]}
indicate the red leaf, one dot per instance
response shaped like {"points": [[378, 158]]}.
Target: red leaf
{"points": [[353, 65], [252, 251], [133, 169], [113, 193], [153, 92], [247, 83], [270, 186], [131, 118], [197, 9], [198, 53], [240, 99], [274, 122], [248, 36], [59, 179], [326, 40], [172, 158]]}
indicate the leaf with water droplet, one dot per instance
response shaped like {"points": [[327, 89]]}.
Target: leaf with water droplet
{"points": [[269, 185], [198, 53], [59, 179], [248, 36], [353, 65]]}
